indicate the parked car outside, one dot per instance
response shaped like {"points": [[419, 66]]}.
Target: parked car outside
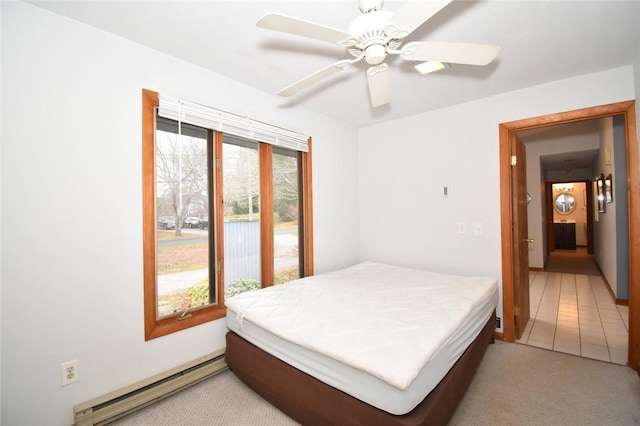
{"points": [[191, 222], [166, 222]]}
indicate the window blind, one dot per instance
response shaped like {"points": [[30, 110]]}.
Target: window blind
{"points": [[211, 118]]}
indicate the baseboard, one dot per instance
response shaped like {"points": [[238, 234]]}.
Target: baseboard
{"points": [[121, 402]]}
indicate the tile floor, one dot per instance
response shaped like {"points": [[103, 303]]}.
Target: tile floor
{"points": [[575, 314]]}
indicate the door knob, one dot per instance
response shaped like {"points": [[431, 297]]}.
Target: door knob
{"points": [[529, 240]]}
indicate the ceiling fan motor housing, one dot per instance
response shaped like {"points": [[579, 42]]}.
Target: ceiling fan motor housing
{"points": [[367, 6], [369, 29]]}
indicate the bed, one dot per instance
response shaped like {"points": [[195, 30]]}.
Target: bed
{"points": [[369, 344]]}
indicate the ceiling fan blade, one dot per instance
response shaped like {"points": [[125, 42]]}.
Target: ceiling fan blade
{"points": [[379, 85], [315, 77], [288, 24], [411, 15], [453, 53]]}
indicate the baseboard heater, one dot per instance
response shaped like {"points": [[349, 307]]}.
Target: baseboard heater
{"points": [[112, 406]]}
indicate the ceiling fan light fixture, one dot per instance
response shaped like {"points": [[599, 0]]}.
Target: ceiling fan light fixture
{"points": [[375, 54], [430, 66]]}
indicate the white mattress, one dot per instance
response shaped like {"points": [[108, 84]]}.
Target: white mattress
{"points": [[383, 334]]}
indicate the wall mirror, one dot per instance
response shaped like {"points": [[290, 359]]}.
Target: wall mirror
{"points": [[565, 203]]}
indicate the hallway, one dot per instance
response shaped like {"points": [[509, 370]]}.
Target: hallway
{"points": [[575, 314]]}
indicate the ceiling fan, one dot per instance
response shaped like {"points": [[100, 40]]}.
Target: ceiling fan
{"points": [[374, 35]]}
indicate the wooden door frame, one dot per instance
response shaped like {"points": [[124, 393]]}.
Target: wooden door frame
{"points": [[627, 109]]}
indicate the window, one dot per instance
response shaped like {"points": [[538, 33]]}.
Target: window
{"points": [[242, 224], [223, 213], [286, 206], [183, 243]]}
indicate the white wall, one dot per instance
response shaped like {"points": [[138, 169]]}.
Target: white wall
{"points": [[604, 233], [404, 164], [72, 207]]}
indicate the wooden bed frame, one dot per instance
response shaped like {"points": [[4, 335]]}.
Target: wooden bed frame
{"points": [[312, 402]]}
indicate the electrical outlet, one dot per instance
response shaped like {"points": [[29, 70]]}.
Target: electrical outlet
{"points": [[69, 372]]}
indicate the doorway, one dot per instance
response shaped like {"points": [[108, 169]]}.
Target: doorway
{"points": [[513, 287]]}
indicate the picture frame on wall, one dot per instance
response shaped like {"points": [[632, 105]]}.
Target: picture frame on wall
{"points": [[608, 188], [600, 197], [596, 214]]}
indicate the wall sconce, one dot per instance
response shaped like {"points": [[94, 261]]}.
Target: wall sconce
{"points": [[564, 188]]}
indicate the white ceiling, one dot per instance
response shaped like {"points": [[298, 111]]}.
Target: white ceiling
{"points": [[541, 41], [572, 159]]}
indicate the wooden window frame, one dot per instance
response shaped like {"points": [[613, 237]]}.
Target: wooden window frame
{"points": [[154, 327]]}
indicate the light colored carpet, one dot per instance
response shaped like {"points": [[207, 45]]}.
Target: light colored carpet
{"points": [[515, 385]]}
